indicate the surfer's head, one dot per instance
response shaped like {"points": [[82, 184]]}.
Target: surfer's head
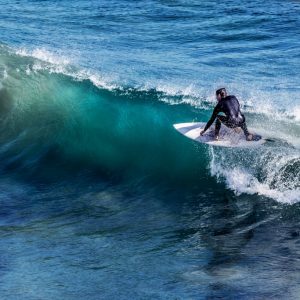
{"points": [[221, 93]]}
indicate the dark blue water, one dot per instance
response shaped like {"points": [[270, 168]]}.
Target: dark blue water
{"points": [[100, 197]]}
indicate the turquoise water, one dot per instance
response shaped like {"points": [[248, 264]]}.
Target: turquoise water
{"points": [[101, 197]]}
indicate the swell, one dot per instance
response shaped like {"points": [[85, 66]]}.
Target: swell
{"points": [[53, 118], [53, 123]]}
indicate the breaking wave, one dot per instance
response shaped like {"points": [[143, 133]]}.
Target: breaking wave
{"points": [[55, 116]]}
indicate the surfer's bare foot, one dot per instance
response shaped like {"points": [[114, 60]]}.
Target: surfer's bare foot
{"points": [[249, 137], [216, 137]]}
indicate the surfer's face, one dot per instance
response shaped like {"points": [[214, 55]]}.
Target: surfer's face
{"points": [[218, 97]]}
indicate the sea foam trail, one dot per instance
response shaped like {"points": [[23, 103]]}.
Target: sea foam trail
{"points": [[54, 113], [272, 172]]}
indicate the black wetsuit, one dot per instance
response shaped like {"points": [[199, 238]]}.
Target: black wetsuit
{"points": [[233, 118]]}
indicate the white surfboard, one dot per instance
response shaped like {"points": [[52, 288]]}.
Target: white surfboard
{"points": [[228, 137]]}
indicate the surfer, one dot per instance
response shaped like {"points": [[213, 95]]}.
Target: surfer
{"points": [[230, 106]]}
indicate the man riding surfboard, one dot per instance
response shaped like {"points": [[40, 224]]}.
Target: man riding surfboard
{"points": [[230, 106]]}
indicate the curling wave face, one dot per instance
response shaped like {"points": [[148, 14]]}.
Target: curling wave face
{"points": [[55, 117]]}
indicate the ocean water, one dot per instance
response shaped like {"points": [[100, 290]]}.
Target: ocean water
{"points": [[100, 197]]}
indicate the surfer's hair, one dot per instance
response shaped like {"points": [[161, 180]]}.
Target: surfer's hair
{"points": [[222, 92]]}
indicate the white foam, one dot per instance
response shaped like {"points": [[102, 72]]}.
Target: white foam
{"points": [[3, 74], [57, 63], [45, 55], [97, 79], [242, 180], [296, 113], [253, 102], [28, 71]]}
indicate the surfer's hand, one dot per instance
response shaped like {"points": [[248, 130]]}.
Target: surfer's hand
{"points": [[202, 132]]}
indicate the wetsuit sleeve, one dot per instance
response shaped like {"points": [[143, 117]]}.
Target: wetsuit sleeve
{"points": [[212, 118]]}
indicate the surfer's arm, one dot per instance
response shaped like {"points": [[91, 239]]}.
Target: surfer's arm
{"points": [[211, 120]]}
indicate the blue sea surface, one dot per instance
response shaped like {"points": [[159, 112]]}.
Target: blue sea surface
{"points": [[100, 198]]}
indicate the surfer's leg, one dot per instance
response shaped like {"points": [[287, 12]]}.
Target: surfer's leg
{"points": [[243, 126], [219, 119], [217, 127], [248, 135], [245, 129]]}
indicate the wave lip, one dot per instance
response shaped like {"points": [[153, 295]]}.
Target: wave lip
{"points": [[60, 64]]}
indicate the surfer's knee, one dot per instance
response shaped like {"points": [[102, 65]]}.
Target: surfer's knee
{"points": [[249, 137]]}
